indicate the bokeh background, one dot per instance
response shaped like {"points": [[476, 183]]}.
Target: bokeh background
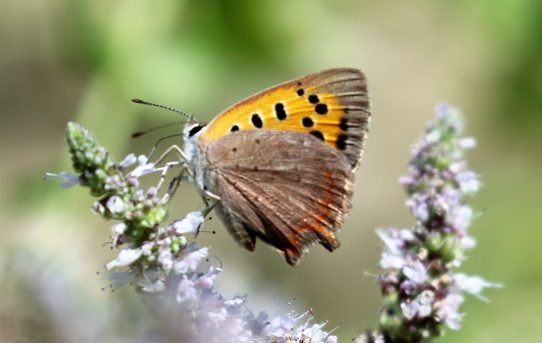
{"points": [[66, 60]]}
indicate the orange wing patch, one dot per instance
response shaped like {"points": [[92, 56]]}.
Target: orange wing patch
{"points": [[331, 105]]}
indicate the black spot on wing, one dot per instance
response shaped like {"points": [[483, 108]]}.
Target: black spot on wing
{"points": [[308, 122], [321, 109], [280, 112], [313, 99], [344, 124], [341, 142], [257, 121], [317, 134]]}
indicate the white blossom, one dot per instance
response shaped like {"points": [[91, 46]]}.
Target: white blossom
{"points": [[467, 143], [432, 137], [415, 270], [115, 204], [448, 310], [124, 258], [143, 167], [128, 161], [474, 285], [186, 290], [191, 261], [191, 223], [68, 179], [390, 261]]}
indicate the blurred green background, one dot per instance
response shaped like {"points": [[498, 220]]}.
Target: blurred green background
{"points": [[66, 60]]}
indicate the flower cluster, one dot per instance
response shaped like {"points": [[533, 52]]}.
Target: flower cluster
{"points": [[162, 262], [422, 292]]}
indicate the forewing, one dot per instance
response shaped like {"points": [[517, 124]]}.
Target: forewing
{"points": [[288, 188], [333, 105]]}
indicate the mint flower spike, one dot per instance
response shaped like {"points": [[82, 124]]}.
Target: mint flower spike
{"points": [[422, 291], [160, 259], [91, 161]]}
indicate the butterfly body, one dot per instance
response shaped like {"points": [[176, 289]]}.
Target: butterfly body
{"points": [[282, 162]]}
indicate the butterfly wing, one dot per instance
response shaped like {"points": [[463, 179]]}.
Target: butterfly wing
{"points": [[292, 193], [333, 105]]}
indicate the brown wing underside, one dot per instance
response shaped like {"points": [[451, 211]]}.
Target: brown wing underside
{"points": [[288, 188]]}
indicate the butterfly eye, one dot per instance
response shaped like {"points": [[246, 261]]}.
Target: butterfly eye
{"points": [[194, 130]]}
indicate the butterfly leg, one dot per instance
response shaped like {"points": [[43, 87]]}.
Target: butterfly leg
{"points": [[208, 208], [174, 148], [176, 181], [211, 195], [153, 149], [165, 170]]}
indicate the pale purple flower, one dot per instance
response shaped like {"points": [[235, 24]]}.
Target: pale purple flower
{"points": [[442, 110], [235, 301], [124, 258], [409, 309], [283, 329], [143, 167], [406, 180], [314, 333], [115, 204], [191, 223], [132, 181], [409, 287], [467, 143], [186, 290], [191, 261], [128, 161], [414, 270], [468, 182], [418, 205], [280, 326], [448, 310], [395, 240], [460, 217], [218, 317], [425, 300], [152, 192], [98, 208], [467, 242], [146, 248], [391, 261], [421, 306], [165, 257], [68, 179], [152, 286], [118, 229], [206, 282], [474, 285], [432, 137]]}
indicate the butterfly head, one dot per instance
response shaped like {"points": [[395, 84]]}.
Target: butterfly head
{"points": [[191, 132]]}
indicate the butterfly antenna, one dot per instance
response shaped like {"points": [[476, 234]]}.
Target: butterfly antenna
{"points": [[141, 133], [143, 102]]}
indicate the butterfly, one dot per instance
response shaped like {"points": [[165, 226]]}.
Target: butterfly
{"points": [[280, 164]]}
